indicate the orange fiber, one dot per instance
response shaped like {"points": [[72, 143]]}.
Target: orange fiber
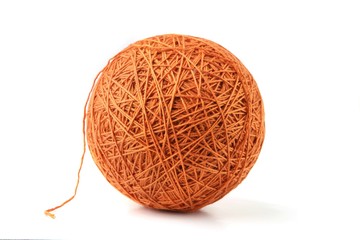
{"points": [[174, 122]]}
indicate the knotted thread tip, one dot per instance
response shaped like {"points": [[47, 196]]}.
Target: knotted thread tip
{"points": [[49, 214]]}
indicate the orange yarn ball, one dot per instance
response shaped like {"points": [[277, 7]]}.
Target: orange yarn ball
{"points": [[175, 122]]}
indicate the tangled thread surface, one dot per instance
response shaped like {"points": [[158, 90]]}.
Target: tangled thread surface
{"points": [[175, 122]]}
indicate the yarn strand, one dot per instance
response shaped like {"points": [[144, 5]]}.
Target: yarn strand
{"points": [[49, 211]]}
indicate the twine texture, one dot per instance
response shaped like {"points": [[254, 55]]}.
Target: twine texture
{"points": [[175, 122]]}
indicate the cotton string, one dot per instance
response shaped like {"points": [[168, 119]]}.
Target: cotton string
{"points": [[49, 212]]}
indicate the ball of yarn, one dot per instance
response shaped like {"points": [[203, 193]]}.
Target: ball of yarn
{"points": [[175, 122]]}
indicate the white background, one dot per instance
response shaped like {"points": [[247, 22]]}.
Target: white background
{"points": [[305, 57]]}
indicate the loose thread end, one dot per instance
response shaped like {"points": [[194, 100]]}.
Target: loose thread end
{"points": [[49, 214]]}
